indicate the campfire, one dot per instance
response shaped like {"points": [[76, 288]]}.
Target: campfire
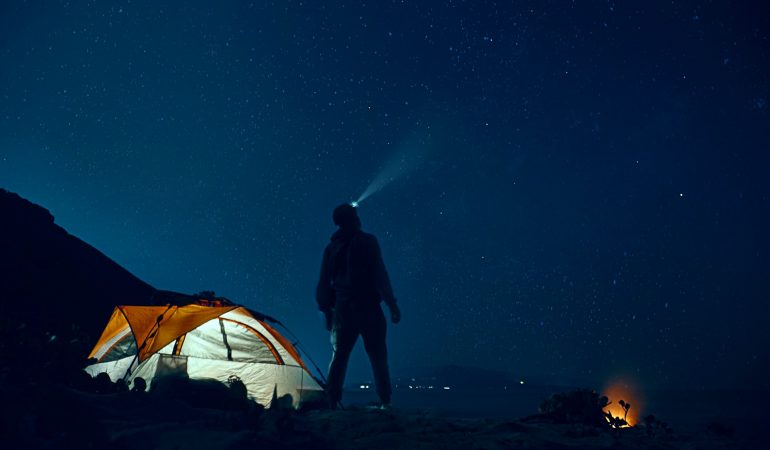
{"points": [[624, 403]]}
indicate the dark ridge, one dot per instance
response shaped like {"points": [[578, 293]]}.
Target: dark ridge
{"points": [[51, 280]]}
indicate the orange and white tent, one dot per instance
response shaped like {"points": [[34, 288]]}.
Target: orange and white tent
{"points": [[203, 342]]}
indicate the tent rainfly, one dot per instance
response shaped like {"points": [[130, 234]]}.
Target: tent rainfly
{"points": [[203, 342]]}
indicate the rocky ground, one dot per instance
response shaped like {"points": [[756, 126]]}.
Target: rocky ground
{"points": [[59, 417]]}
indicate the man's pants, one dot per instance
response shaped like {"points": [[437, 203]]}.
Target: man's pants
{"points": [[350, 322]]}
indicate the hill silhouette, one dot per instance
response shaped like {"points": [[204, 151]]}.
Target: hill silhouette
{"points": [[51, 281]]}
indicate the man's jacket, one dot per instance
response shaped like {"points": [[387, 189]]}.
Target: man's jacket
{"points": [[353, 271]]}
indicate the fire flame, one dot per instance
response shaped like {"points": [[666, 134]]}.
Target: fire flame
{"points": [[621, 390]]}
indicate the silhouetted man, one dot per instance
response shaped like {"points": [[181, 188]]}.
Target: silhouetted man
{"points": [[353, 282]]}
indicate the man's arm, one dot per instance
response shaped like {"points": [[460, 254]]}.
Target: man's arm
{"points": [[383, 283]]}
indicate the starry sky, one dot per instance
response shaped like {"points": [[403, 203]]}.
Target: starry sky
{"points": [[570, 190]]}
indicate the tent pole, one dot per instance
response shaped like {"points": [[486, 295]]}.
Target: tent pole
{"points": [[298, 345]]}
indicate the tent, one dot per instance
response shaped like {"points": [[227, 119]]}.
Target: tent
{"points": [[203, 340]]}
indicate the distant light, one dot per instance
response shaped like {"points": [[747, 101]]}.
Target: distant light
{"points": [[411, 387], [446, 388], [521, 382], [681, 194], [354, 204]]}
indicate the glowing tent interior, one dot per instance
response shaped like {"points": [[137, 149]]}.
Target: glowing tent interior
{"points": [[203, 340]]}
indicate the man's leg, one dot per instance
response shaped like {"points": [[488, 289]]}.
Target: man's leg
{"points": [[343, 338], [373, 332]]}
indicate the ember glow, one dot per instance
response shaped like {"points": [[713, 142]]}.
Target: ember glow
{"points": [[623, 390]]}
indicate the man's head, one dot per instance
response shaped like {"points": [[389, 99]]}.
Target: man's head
{"points": [[345, 216]]}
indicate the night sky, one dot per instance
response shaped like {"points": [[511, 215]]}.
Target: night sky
{"points": [[580, 190]]}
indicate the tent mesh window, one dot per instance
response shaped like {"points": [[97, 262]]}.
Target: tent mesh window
{"points": [[123, 348]]}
